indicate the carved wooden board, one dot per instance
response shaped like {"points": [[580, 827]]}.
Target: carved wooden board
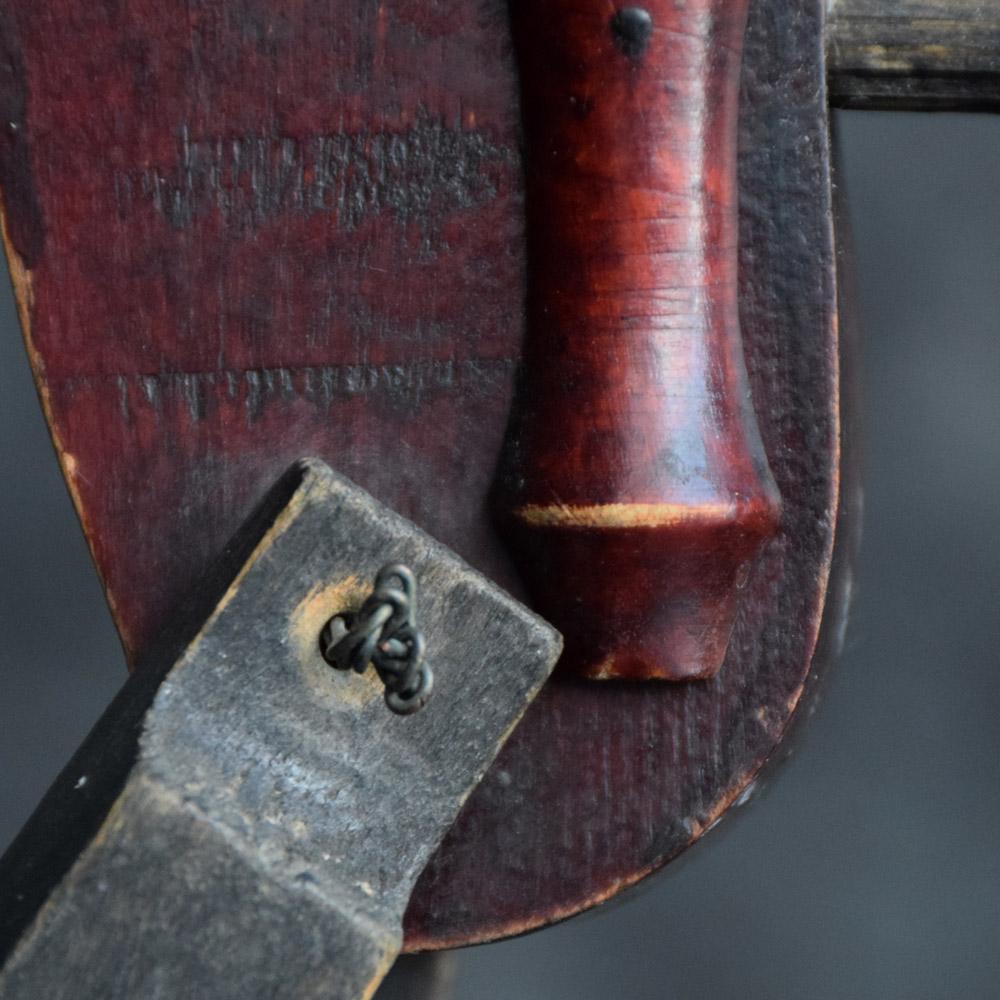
{"points": [[242, 232]]}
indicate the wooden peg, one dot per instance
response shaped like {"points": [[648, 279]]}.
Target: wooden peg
{"points": [[635, 490]]}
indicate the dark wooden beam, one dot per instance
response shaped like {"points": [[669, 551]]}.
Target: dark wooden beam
{"points": [[921, 55], [252, 826]]}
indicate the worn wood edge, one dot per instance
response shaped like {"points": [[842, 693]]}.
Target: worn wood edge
{"points": [[608, 892], [22, 285], [113, 751], [144, 796], [829, 620], [71, 814], [921, 55], [111, 759]]}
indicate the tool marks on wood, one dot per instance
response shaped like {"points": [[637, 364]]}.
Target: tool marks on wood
{"points": [[265, 834]]}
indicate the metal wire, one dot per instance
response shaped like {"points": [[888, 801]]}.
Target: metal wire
{"points": [[384, 634]]}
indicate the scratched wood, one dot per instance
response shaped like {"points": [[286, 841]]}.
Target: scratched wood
{"points": [[242, 232]]}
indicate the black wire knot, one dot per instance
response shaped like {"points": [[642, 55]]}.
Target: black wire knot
{"points": [[384, 633]]}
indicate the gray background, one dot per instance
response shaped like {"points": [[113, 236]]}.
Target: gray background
{"points": [[870, 867]]}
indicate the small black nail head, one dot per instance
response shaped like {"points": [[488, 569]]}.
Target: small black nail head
{"points": [[632, 28]]}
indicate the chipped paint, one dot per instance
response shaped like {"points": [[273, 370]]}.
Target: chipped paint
{"points": [[627, 515]]}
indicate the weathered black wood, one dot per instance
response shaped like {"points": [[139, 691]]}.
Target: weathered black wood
{"points": [[263, 834], [914, 54], [72, 812]]}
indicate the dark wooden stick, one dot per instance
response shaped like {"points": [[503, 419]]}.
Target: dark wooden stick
{"points": [[636, 486], [914, 54]]}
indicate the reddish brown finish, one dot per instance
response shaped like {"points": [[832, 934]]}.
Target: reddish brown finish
{"points": [[637, 488], [244, 231], [256, 246]]}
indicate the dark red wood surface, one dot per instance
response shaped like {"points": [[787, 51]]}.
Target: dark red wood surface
{"points": [[636, 486], [244, 231]]}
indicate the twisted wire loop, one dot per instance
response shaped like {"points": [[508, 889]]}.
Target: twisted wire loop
{"points": [[384, 633]]}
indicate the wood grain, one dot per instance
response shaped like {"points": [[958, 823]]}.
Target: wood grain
{"points": [[635, 487], [243, 233]]}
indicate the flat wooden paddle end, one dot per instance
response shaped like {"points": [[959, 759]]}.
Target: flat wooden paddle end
{"points": [[252, 824]]}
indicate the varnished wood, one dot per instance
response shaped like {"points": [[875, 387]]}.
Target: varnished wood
{"points": [[635, 487], [246, 232], [915, 54]]}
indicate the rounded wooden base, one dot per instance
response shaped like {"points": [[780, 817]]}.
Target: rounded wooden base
{"points": [[247, 234]]}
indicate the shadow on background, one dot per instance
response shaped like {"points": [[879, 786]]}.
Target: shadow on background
{"points": [[871, 868]]}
